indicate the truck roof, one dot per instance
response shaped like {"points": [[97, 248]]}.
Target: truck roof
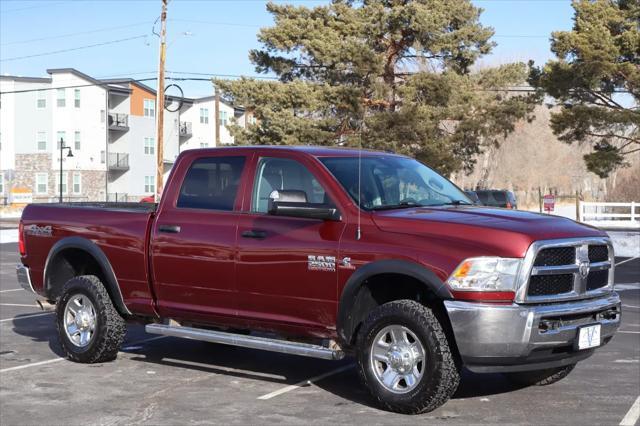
{"points": [[316, 151]]}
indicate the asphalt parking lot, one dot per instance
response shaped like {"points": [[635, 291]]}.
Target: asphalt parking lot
{"points": [[165, 380]]}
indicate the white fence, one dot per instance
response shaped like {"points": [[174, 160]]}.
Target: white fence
{"points": [[619, 215]]}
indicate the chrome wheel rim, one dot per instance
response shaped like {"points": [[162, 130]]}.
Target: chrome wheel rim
{"points": [[79, 320], [397, 359]]}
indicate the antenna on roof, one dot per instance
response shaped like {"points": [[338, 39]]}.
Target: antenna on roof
{"points": [[359, 228]]}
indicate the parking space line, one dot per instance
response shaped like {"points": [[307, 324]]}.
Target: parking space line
{"points": [[628, 260], [627, 286], [305, 382], [33, 364], [61, 358], [632, 415], [20, 305], [631, 306], [26, 316], [11, 289], [629, 332]]}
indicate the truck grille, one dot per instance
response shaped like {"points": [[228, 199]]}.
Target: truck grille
{"points": [[545, 285], [556, 256], [566, 269]]}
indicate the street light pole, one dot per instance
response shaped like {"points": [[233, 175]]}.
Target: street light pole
{"points": [[69, 154]]}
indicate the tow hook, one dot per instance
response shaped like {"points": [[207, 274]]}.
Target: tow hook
{"points": [[609, 314], [548, 325]]}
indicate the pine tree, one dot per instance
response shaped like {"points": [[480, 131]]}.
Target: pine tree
{"points": [[390, 74], [596, 79]]}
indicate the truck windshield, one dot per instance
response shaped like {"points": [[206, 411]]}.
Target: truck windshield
{"points": [[393, 183]]}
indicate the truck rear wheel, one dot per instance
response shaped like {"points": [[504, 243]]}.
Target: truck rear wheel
{"points": [[404, 358], [89, 327], [540, 377]]}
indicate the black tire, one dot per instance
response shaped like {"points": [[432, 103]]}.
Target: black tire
{"points": [[110, 327], [440, 376], [540, 377]]}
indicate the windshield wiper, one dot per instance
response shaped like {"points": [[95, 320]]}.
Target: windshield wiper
{"points": [[403, 205], [457, 203]]}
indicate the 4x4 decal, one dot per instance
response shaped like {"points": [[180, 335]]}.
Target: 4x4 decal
{"points": [[322, 263]]}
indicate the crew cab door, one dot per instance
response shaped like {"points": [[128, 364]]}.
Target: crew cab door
{"points": [[286, 265], [193, 239]]}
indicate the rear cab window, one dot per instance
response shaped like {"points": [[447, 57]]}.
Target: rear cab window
{"points": [[212, 183]]}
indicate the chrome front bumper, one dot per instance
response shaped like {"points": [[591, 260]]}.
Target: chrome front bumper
{"points": [[492, 337], [24, 277]]}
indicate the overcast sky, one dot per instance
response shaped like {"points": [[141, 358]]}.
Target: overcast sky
{"points": [[207, 36]]}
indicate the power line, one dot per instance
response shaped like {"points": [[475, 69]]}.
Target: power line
{"points": [[54, 52], [74, 34]]}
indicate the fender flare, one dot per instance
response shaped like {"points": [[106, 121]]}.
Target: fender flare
{"points": [[346, 321], [91, 248]]}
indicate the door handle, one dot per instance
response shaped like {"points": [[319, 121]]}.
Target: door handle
{"points": [[169, 229], [254, 234]]}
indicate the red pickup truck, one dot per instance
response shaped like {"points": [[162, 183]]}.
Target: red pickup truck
{"points": [[326, 252]]}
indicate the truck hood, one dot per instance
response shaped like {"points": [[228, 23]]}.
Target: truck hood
{"points": [[497, 231]]}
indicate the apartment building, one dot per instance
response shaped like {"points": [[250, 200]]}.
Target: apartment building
{"points": [[107, 129]]}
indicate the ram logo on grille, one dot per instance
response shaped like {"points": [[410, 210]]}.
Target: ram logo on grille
{"points": [[583, 269]]}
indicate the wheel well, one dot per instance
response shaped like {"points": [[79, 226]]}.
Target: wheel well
{"points": [[69, 263], [387, 287]]}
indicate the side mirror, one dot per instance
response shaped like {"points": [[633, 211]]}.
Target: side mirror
{"points": [[294, 204]]}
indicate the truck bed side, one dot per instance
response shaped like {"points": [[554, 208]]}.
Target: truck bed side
{"points": [[120, 231]]}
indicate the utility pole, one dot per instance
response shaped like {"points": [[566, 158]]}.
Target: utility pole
{"points": [[160, 103]]}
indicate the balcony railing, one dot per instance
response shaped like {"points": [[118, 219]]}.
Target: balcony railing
{"points": [[118, 161], [185, 129], [118, 121]]}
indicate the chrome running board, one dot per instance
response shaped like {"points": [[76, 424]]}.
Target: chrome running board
{"points": [[253, 342]]}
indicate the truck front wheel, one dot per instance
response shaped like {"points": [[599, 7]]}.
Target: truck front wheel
{"points": [[89, 327], [404, 358], [540, 377]]}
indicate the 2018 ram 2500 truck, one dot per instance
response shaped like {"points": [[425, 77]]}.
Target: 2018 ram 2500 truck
{"points": [[324, 252]]}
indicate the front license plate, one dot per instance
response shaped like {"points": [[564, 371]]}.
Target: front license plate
{"points": [[589, 337]]}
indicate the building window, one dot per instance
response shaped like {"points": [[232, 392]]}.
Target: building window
{"points": [[102, 116], [1, 183], [76, 98], [149, 108], [61, 98], [149, 146], [149, 184], [42, 141], [103, 157], [204, 145], [64, 183], [42, 183], [61, 139], [76, 140], [77, 183], [204, 116], [223, 118], [42, 99]]}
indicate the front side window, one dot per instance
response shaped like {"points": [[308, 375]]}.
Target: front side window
{"points": [[212, 183], [149, 108], [42, 141], [61, 100], [149, 184], [149, 146], [76, 140], [284, 174], [42, 186], [42, 99], [204, 116], [393, 182], [76, 98]]}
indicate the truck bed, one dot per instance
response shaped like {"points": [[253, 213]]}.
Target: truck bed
{"points": [[119, 230]]}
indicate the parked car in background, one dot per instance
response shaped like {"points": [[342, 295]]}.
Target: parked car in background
{"points": [[473, 197], [497, 198]]}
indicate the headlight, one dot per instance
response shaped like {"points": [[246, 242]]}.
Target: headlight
{"points": [[495, 274]]}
